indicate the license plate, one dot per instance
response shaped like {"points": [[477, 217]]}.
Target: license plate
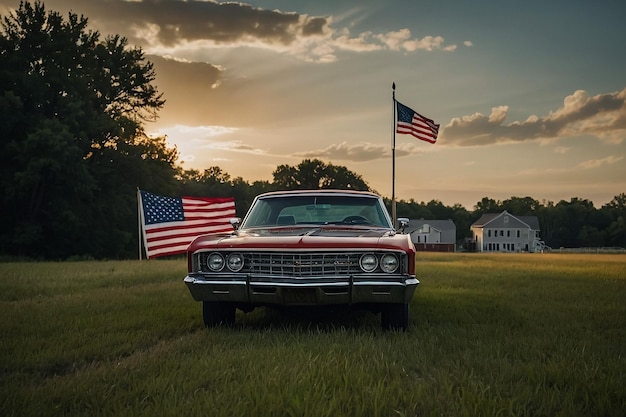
{"points": [[299, 296]]}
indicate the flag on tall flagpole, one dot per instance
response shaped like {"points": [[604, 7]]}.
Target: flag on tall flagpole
{"points": [[170, 224], [411, 122]]}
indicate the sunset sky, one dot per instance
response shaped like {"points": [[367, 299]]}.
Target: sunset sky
{"points": [[530, 95]]}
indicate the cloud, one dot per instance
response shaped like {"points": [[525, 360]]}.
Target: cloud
{"points": [[198, 93], [233, 146], [402, 41], [561, 150], [602, 116], [203, 137], [163, 26], [595, 163], [360, 152], [176, 73], [197, 133]]}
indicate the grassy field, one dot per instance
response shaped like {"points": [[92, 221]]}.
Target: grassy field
{"points": [[490, 335]]}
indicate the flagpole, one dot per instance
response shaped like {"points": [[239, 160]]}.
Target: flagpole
{"points": [[139, 235], [393, 158]]}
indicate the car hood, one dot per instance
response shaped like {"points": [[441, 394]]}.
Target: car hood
{"points": [[320, 237]]}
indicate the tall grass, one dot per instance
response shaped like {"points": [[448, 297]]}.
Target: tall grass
{"points": [[490, 335]]}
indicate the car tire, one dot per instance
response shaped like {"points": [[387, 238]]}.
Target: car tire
{"points": [[216, 313], [395, 316]]}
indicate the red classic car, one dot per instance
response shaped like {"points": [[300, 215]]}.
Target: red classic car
{"points": [[306, 248]]}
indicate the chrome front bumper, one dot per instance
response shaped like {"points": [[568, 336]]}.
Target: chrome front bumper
{"points": [[285, 291]]}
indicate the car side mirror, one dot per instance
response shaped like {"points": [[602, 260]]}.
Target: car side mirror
{"points": [[235, 222], [403, 222]]}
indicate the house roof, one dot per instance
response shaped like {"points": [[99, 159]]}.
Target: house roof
{"points": [[531, 221], [485, 219], [441, 225]]}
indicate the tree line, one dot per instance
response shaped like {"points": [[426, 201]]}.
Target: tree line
{"points": [[73, 152], [574, 223]]}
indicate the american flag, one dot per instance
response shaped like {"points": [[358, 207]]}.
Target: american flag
{"points": [[413, 123], [170, 224]]}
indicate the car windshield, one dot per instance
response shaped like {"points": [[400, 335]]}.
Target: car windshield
{"points": [[317, 210]]}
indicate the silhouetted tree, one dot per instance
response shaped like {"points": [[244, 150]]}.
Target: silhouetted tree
{"points": [[72, 109], [616, 230], [488, 205], [571, 217], [314, 174], [521, 206]]}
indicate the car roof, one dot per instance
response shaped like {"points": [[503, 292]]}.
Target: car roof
{"points": [[326, 192]]}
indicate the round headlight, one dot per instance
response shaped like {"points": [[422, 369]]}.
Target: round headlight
{"points": [[215, 262], [235, 262], [389, 263], [368, 262]]}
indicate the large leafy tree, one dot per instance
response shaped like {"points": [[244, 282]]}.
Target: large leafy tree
{"points": [[73, 149], [315, 174], [487, 205], [525, 206], [616, 231]]}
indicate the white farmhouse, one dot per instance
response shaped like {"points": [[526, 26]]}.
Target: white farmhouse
{"points": [[504, 232]]}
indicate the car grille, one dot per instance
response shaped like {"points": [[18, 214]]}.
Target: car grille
{"points": [[299, 264], [303, 264]]}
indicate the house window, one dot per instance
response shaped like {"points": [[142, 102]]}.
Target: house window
{"points": [[518, 233], [508, 233], [501, 232], [489, 233]]}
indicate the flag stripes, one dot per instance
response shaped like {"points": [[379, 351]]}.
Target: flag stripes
{"points": [[170, 224], [412, 123]]}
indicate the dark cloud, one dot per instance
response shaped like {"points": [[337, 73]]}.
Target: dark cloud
{"points": [[194, 74], [170, 22], [602, 116], [314, 26], [189, 88], [159, 24]]}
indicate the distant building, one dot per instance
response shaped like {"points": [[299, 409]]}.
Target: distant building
{"points": [[504, 232], [433, 235]]}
